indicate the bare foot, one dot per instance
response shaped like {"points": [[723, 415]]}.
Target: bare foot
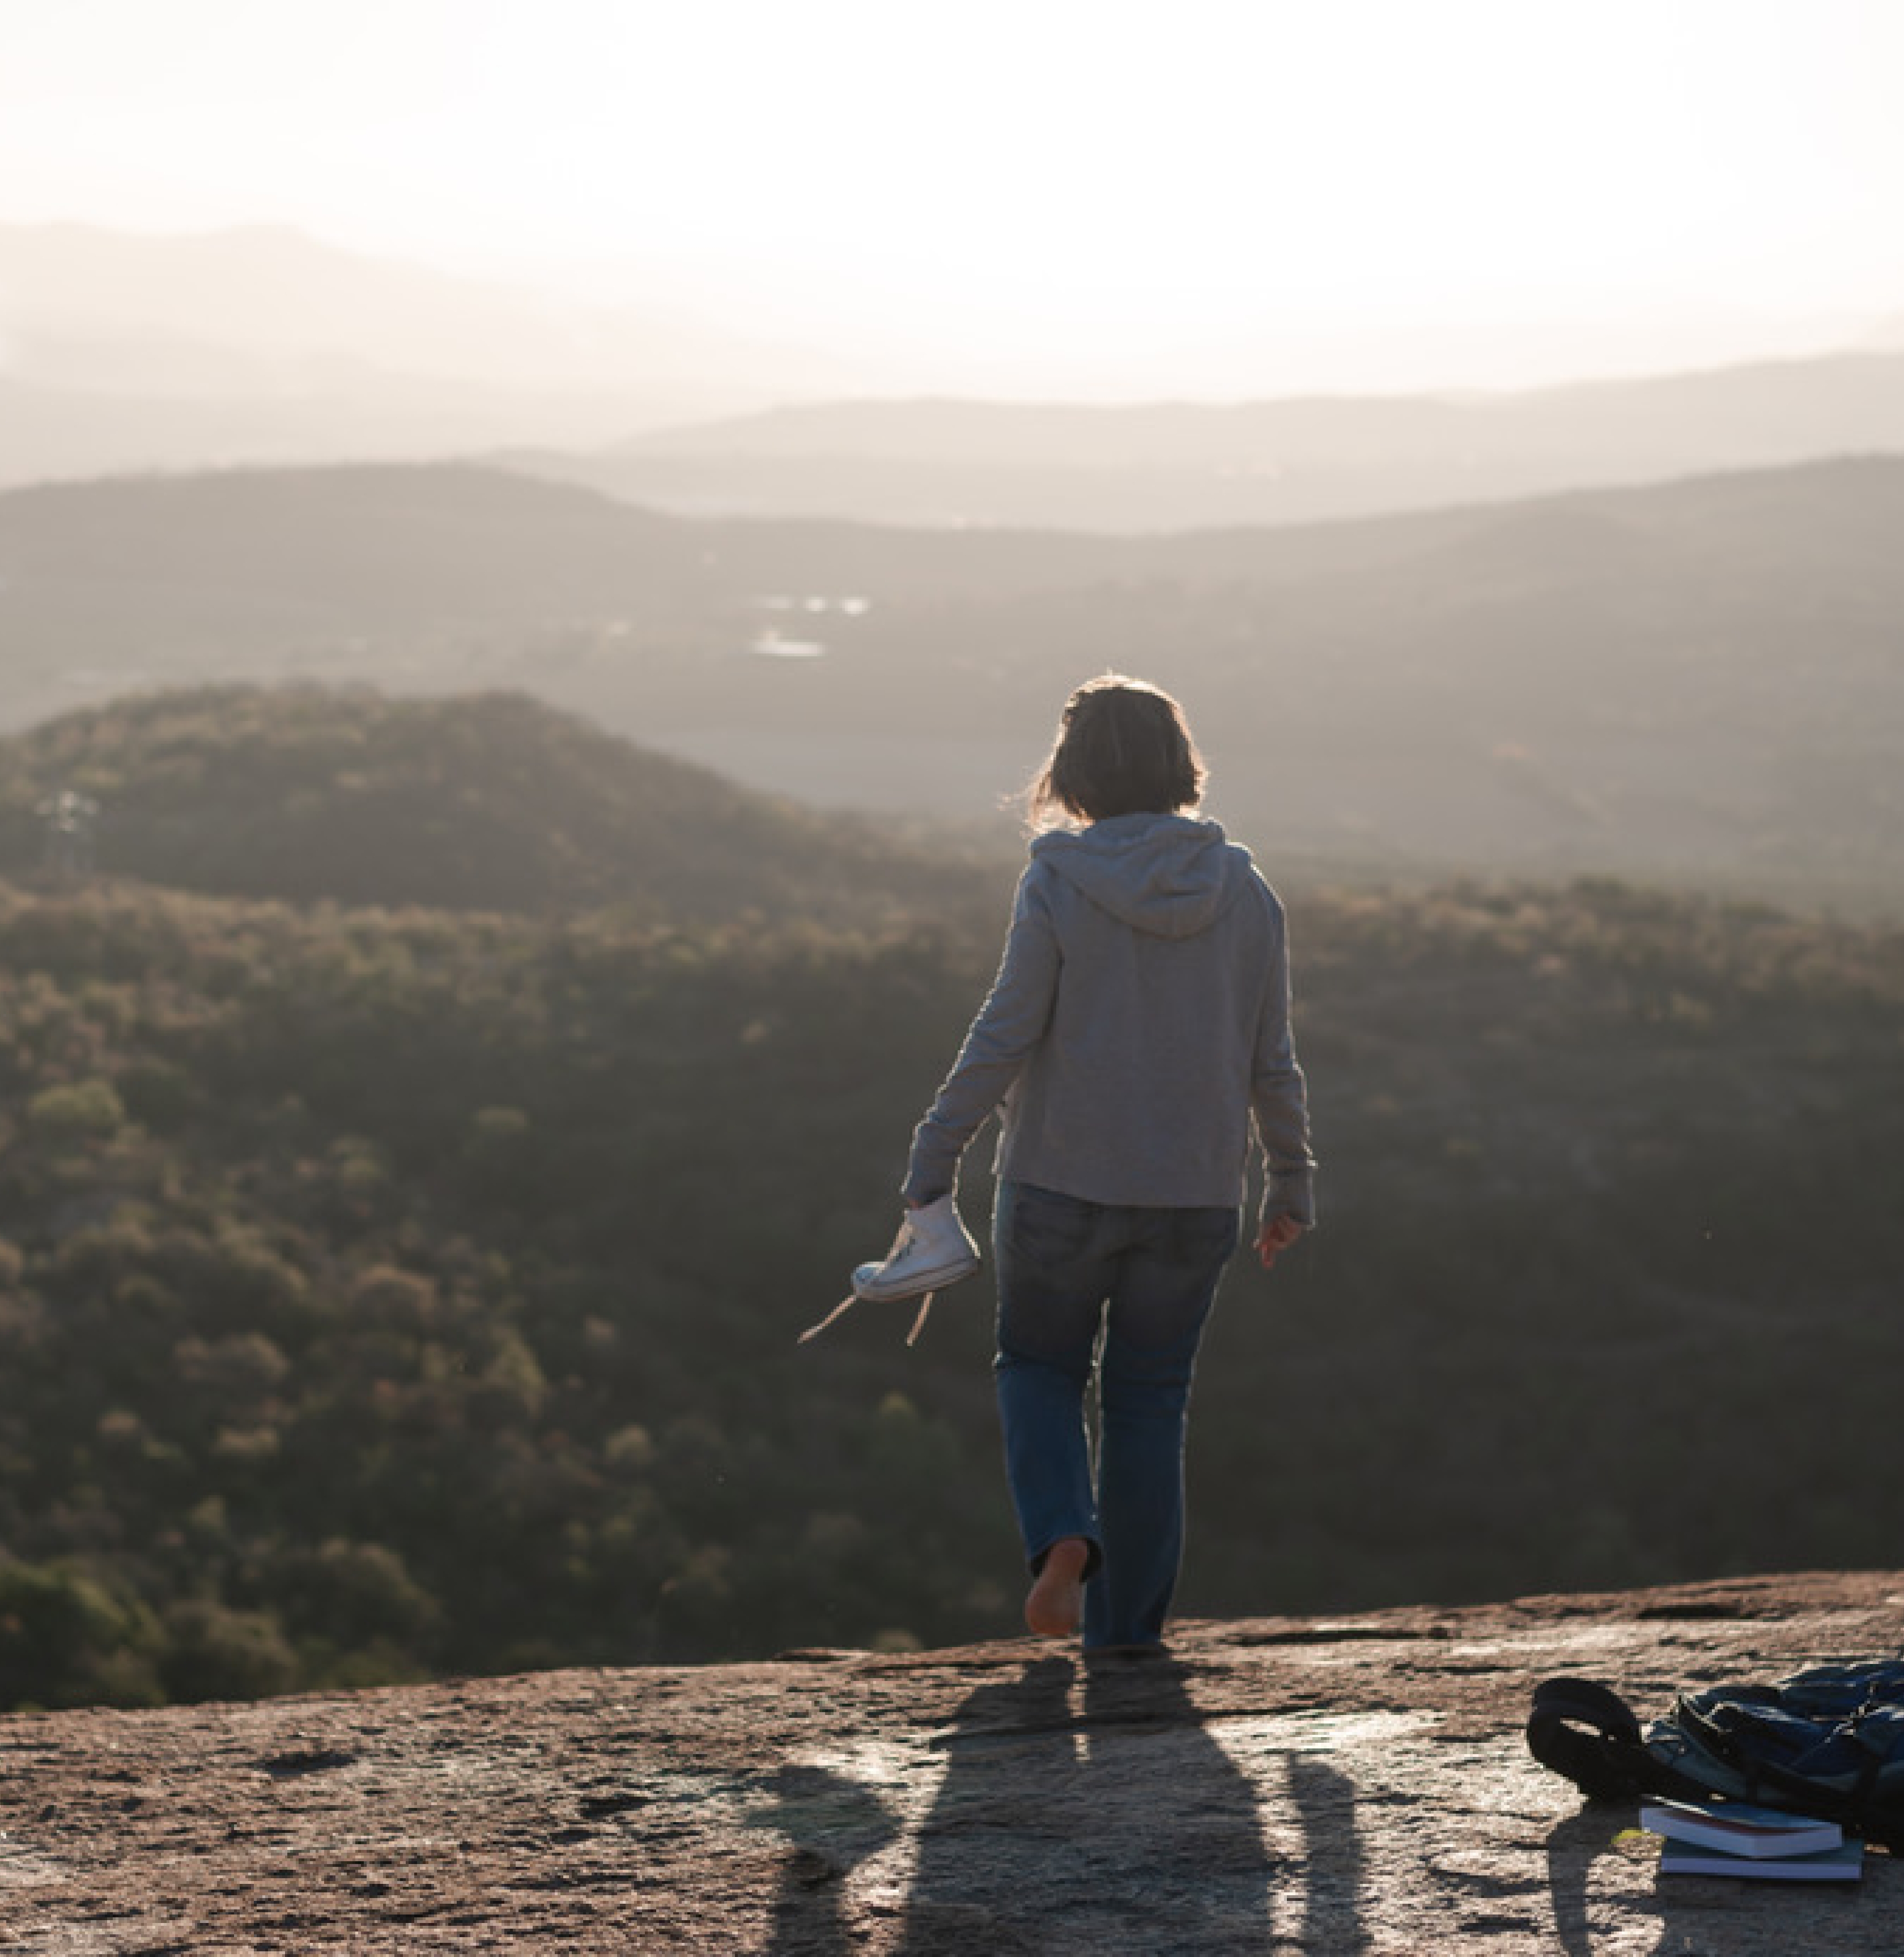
{"points": [[1057, 1598]]}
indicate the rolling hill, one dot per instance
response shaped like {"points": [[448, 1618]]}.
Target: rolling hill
{"points": [[495, 802], [1700, 681]]}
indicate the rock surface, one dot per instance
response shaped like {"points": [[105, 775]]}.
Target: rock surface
{"points": [[1353, 1785]]}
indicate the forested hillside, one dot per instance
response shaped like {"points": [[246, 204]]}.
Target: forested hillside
{"points": [[393, 1291], [493, 802]]}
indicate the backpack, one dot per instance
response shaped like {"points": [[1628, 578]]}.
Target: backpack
{"points": [[1828, 1743]]}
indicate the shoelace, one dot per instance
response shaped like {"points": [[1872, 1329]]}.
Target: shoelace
{"points": [[852, 1299]]}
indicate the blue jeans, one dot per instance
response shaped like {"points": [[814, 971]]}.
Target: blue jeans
{"points": [[1145, 1279]]}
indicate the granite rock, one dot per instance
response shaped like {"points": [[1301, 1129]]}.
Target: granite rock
{"points": [[1355, 1784]]}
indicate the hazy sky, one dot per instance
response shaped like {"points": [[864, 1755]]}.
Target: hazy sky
{"points": [[1127, 192]]}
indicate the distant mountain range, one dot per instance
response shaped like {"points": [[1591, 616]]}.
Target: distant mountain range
{"points": [[1702, 681], [121, 353], [1181, 466]]}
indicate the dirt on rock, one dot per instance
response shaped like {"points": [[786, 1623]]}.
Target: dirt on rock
{"points": [[1357, 1784]]}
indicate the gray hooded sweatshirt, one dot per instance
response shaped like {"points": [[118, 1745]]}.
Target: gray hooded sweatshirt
{"points": [[1139, 1026]]}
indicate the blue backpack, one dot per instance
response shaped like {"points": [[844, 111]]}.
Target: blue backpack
{"points": [[1828, 1742]]}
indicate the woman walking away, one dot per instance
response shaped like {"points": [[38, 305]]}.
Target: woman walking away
{"points": [[1139, 1026]]}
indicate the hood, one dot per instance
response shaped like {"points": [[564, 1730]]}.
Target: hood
{"points": [[1171, 876]]}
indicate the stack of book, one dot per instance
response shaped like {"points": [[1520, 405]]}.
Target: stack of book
{"points": [[1730, 1839]]}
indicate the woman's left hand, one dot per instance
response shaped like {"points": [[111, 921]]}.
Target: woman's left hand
{"points": [[1275, 1235]]}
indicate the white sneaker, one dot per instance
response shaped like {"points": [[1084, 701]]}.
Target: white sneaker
{"points": [[933, 1249]]}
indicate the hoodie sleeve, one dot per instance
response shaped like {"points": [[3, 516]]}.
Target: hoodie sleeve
{"points": [[1013, 1019], [1279, 1096]]}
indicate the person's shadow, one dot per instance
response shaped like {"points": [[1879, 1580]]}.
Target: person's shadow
{"points": [[1121, 1826], [832, 1824], [1573, 1846], [1684, 1915]]}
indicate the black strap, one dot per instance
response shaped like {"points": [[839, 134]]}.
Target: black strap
{"points": [[1587, 1733]]}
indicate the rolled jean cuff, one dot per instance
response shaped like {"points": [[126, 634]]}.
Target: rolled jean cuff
{"points": [[1094, 1554]]}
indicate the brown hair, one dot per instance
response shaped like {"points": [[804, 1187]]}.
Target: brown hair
{"points": [[1123, 747]]}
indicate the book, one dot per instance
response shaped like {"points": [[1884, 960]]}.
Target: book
{"points": [[1844, 1863], [1734, 1828]]}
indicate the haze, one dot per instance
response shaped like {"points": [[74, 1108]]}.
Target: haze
{"points": [[325, 250], [1223, 198]]}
